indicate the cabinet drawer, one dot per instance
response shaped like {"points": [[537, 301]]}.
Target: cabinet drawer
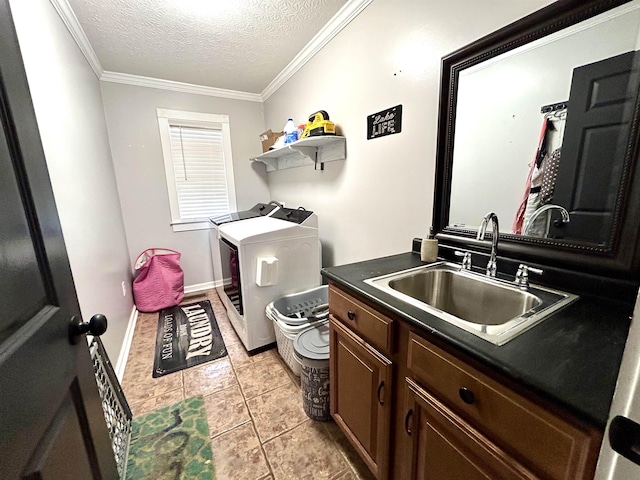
{"points": [[373, 327], [548, 444]]}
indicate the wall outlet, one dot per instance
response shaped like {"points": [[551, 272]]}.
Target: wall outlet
{"points": [[124, 289]]}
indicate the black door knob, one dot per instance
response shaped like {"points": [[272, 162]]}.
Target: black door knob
{"points": [[466, 395], [96, 326]]}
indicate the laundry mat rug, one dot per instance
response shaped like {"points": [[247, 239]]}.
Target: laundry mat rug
{"points": [[171, 443], [187, 335]]}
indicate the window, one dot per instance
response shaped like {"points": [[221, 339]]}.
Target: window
{"points": [[198, 166]]}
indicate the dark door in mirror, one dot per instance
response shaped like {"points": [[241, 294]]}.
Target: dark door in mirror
{"points": [[590, 175]]}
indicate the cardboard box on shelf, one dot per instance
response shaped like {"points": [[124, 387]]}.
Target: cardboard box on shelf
{"points": [[268, 138]]}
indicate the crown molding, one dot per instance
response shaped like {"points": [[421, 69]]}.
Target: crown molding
{"points": [[140, 81], [340, 20], [77, 32]]}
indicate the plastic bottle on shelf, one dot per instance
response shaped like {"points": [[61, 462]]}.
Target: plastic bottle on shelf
{"points": [[290, 131]]}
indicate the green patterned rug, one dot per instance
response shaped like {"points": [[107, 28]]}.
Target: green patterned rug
{"points": [[171, 443]]}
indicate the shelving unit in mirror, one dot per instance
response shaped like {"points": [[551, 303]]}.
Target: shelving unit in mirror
{"points": [[308, 151]]}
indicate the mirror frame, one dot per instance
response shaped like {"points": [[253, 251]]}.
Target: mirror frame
{"points": [[619, 256]]}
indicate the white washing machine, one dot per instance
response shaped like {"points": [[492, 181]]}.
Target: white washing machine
{"points": [[258, 210], [263, 259]]}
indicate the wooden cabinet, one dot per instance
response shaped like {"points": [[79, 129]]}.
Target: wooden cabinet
{"points": [[416, 408], [552, 446], [440, 445], [361, 385]]}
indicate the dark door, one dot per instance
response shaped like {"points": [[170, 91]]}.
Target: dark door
{"points": [[601, 103], [51, 420]]}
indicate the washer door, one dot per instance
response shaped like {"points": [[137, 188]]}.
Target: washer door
{"points": [[231, 281]]}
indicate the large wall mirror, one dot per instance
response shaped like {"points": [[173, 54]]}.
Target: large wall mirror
{"points": [[539, 124]]}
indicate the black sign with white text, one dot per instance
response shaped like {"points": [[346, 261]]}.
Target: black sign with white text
{"points": [[386, 122]]}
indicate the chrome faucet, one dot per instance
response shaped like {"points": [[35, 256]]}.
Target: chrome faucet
{"points": [[495, 234], [522, 275], [545, 208], [466, 259]]}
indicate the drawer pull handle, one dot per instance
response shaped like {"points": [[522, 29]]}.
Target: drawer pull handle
{"points": [[351, 315], [466, 395], [407, 418], [380, 401]]}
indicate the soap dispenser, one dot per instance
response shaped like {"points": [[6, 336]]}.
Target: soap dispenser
{"points": [[429, 248]]}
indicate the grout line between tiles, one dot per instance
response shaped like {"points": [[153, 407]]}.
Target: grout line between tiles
{"points": [[259, 394], [281, 433], [233, 428], [251, 364], [341, 473], [266, 457], [133, 404], [243, 402], [262, 442], [264, 453], [241, 387], [343, 452], [223, 389]]}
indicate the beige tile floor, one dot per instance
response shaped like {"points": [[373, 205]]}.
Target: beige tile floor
{"points": [[254, 409]]}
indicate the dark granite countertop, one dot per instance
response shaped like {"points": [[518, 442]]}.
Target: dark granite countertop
{"points": [[572, 357]]}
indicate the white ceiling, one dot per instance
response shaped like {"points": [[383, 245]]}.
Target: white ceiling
{"points": [[229, 44]]}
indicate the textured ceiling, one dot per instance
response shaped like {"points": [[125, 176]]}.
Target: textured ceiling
{"points": [[232, 44]]}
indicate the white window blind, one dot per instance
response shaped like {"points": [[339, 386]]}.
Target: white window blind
{"points": [[199, 171]]}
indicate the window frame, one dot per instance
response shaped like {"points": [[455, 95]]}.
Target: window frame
{"points": [[215, 121]]}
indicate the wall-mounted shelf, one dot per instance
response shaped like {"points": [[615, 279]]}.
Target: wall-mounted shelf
{"points": [[308, 151]]}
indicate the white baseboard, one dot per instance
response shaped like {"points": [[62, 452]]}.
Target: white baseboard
{"points": [[126, 345], [198, 287]]}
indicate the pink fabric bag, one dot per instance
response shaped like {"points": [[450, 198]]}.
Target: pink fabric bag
{"points": [[159, 280]]}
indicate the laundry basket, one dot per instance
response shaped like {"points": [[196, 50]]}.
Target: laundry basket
{"points": [[294, 313], [285, 335]]}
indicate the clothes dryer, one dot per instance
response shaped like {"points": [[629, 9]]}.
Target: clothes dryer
{"points": [[262, 260], [258, 210]]}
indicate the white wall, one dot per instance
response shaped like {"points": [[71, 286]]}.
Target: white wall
{"points": [[498, 114], [68, 105], [381, 197], [138, 162]]}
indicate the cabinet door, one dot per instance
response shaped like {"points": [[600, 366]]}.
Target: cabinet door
{"points": [[361, 383], [439, 445]]}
